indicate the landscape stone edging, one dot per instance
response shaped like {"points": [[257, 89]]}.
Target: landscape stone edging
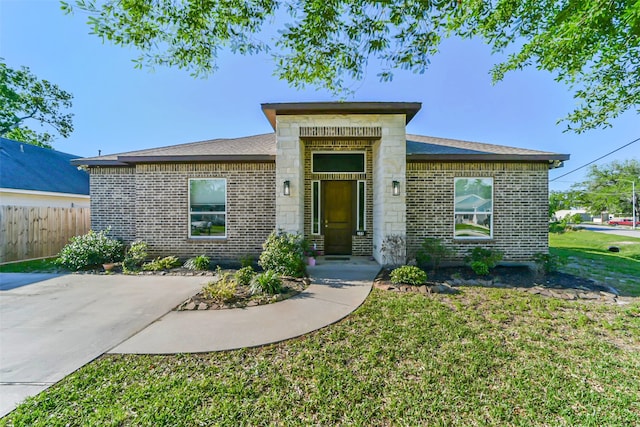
{"points": [[569, 294]]}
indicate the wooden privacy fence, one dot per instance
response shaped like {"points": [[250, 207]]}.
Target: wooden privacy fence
{"points": [[28, 232]]}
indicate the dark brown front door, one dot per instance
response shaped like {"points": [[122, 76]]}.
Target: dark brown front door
{"points": [[338, 216]]}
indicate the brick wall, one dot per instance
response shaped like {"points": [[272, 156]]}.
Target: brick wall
{"points": [[155, 200], [520, 206], [113, 192]]}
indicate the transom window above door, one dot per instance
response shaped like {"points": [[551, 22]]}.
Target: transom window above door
{"points": [[338, 162]]}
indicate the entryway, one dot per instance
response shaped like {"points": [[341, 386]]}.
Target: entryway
{"points": [[337, 202]]}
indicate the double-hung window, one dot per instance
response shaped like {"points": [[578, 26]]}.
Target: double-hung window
{"points": [[473, 208], [208, 208]]}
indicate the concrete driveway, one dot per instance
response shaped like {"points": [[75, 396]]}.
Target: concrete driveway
{"points": [[51, 328]]}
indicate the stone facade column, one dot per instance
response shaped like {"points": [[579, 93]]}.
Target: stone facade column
{"points": [[389, 164], [289, 167]]}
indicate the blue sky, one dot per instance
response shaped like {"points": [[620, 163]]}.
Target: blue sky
{"points": [[118, 108]]}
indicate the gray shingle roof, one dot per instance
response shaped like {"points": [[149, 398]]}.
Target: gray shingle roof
{"points": [[263, 148], [256, 146], [27, 167], [418, 144]]}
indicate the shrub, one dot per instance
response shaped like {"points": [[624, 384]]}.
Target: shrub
{"points": [[135, 256], [394, 249], [557, 227], [576, 218], [158, 264], [222, 289], [268, 282], [483, 260], [247, 260], [245, 275], [90, 250], [283, 254], [408, 275], [432, 251], [548, 263], [480, 268], [201, 262]]}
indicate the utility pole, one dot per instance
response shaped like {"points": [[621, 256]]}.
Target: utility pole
{"points": [[633, 201]]}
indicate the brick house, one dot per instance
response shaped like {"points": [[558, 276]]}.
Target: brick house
{"points": [[346, 175]]}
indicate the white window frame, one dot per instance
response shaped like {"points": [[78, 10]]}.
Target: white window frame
{"points": [[359, 226], [455, 212], [226, 196], [316, 202], [364, 156]]}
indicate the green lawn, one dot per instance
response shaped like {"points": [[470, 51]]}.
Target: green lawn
{"points": [[588, 256], [481, 357], [33, 266]]}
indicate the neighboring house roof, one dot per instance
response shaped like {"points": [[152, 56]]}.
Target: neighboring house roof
{"points": [[263, 148], [471, 202], [28, 167]]}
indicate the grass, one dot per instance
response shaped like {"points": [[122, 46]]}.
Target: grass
{"points": [[33, 266], [481, 357], [588, 256]]}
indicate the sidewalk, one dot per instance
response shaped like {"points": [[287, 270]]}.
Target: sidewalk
{"points": [[337, 289]]}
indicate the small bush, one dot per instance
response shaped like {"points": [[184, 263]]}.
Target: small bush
{"points": [[480, 268], [283, 254], [201, 262], [247, 260], [432, 251], [135, 256], [245, 275], [268, 282], [557, 227], [576, 218], [548, 263], [222, 289], [408, 275], [166, 263], [487, 257], [90, 250]]}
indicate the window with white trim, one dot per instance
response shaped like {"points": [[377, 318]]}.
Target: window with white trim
{"points": [[315, 207], [207, 208], [362, 206], [473, 208]]}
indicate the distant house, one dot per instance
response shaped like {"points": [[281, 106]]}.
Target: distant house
{"points": [[345, 175], [36, 176]]}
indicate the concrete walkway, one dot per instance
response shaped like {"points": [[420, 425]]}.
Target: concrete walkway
{"points": [[337, 289]]}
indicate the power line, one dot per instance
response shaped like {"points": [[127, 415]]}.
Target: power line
{"points": [[599, 158]]}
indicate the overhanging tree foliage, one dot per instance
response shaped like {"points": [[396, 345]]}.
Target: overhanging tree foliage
{"points": [[608, 188], [24, 99], [591, 45]]}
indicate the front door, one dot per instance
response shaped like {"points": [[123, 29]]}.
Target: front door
{"points": [[338, 216]]}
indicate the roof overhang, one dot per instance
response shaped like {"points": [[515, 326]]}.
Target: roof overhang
{"points": [[554, 160], [271, 110], [133, 160], [42, 193]]}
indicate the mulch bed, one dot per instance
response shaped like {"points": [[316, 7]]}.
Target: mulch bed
{"points": [[557, 285], [291, 286]]}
